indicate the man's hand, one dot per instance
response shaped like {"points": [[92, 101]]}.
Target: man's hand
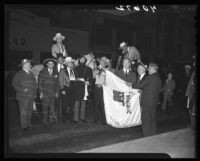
{"points": [[26, 90], [129, 84], [63, 92], [87, 83], [56, 95], [41, 95]]}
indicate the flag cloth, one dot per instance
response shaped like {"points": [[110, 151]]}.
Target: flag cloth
{"points": [[121, 103]]}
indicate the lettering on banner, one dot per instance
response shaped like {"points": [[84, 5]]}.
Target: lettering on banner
{"points": [[124, 98]]}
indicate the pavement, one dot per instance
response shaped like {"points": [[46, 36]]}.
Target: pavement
{"points": [[67, 137], [177, 144]]}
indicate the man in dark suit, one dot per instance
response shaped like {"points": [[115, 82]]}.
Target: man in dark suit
{"points": [[25, 84], [68, 91], [151, 87], [141, 73], [126, 74], [59, 66], [48, 89]]}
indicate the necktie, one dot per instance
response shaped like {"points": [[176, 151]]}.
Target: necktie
{"points": [[71, 73], [139, 78], [50, 71], [62, 48], [126, 73]]}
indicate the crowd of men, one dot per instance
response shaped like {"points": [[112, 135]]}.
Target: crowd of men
{"points": [[67, 83]]}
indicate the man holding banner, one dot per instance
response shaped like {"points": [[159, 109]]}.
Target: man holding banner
{"points": [[100, 80], [126, 74], [151, 87]]}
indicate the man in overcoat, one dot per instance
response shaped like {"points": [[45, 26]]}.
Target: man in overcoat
{"points": [[151, 87], [48, 90], [26, 91]]}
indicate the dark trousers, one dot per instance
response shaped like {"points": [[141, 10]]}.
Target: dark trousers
{"points": [[99, 104], [68, 101], [48, 108], [148, 117], [26, 109]]}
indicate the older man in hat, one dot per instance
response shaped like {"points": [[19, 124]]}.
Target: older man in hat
{"points": [[26, 87], [151, 87], [100, 79], [131, 53], [141, 69], [59, 47], [67, 79], [48, 89]]}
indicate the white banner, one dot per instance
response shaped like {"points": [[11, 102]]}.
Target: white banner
{"points": [[122, 103]]}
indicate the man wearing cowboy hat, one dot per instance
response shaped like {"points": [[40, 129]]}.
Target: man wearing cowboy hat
{"points": [[58, 47], [26, 87], [130, 52], [48, 89], [100, 80], [68, 89]]}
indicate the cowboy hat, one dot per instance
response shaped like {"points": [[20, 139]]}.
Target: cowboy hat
{"points": [[121, 45], [68, 60], [24, 61], [48, 60], [58, 35], [105, 60]]}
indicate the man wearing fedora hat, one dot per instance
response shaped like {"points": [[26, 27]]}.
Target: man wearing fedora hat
{"points": [[26, 91], [48, 89], [67, 78], [59, 47], [151, 86], [131, 53]]}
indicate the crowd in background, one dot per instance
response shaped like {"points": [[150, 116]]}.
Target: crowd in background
{"points": [[64, 85]]}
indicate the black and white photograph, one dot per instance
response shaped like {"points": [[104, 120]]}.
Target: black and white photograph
{"points": [[94, 79]]}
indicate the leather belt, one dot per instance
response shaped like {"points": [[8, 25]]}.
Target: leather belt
{"points": [[98, 85], [80, 79]]}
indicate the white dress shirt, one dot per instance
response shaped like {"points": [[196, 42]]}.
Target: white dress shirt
{"points": [[60, 66], [26, 70], [71, 76], [126, 71], [50, 71], [141, 76]]}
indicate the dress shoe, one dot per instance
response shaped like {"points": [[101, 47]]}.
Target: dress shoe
{"points": [[104, 124], [75, 122], [25, 129], [52, 122], [83, 120]]}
